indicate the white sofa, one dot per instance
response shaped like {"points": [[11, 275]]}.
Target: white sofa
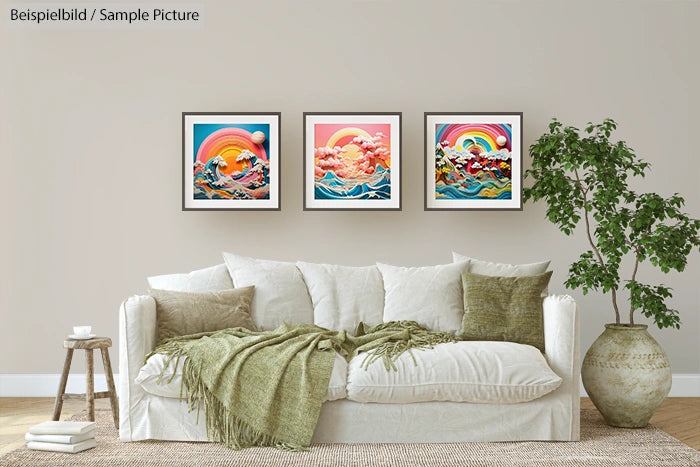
{"points": [[554, 416]]}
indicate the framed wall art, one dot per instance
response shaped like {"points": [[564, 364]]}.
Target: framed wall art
{"points": [[473, 161], [230, 161], [352, 161]]}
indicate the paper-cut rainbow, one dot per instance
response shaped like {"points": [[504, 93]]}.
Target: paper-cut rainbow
{"points": [[470, 136]]}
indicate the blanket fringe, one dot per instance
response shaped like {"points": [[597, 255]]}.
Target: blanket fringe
{"points": [[418, 338], [223, 426]]}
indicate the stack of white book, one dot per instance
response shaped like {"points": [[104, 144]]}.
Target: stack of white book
{"points": [[63, 436]]}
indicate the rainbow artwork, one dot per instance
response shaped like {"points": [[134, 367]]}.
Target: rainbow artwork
{"points": [[352, 161], [473, 161], [231, 161]]}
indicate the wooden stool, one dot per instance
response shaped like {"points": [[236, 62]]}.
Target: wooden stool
{"points": [[102, 343]]}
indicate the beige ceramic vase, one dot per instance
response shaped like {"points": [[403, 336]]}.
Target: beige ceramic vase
{"points": [[627, 375]]}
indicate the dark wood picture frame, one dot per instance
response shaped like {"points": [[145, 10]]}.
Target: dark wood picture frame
{"points": [[515, 203], [274, 167], [395, 154]]}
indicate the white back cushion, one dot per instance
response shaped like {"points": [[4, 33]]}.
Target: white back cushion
{"points": [[431, 295], [212, 279], [343, 296], [469, 371], [486, 268], [280, 292]]}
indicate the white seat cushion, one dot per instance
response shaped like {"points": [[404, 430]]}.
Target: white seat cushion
{"points": [[430, 295], [343, 296], [149, 374], [280, 292], [473, 371]]}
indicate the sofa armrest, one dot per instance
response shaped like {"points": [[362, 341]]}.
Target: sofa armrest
{"points": [[562, 348], [137, 334]]}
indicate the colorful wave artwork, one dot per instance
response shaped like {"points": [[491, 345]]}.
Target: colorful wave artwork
{"points": [[473, 161], [352, 161], [231, 161]]}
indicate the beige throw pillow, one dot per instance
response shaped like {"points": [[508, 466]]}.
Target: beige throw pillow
{"points": [[183, 313]]}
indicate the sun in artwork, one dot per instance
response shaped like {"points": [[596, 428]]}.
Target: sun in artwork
{"points": [[352, 161]]}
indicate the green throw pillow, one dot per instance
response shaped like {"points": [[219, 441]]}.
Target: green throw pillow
{"points": [[504, 308], [183, 313]]}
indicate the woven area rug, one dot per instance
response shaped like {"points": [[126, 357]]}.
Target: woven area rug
{"points": [[600, 445]]}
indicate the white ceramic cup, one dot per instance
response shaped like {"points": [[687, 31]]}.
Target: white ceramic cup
{"points": [[82, 331]]}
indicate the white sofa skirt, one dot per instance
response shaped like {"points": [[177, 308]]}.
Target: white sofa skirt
{"points": [[345, 421], [552, 417]]}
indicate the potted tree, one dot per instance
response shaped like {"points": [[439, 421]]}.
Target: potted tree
{"points": [[583, 175]]}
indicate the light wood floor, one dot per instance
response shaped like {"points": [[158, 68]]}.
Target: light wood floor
{"points": [[17, 414], [678, 416]]}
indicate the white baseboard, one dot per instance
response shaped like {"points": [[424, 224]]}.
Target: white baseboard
{"points": [[682, 385], [46, 385]]}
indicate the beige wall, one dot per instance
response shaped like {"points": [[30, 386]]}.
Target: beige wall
{"points": [[90, 132]]}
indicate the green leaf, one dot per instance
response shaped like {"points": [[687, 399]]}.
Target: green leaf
{"points": [[583, 175]]}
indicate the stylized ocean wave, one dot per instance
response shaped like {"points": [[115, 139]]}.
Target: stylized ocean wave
{"points": [[330, 186], [253, 182], [475, 188]]}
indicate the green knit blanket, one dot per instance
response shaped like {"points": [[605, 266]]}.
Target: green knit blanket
{"points": [[266, 388]]}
